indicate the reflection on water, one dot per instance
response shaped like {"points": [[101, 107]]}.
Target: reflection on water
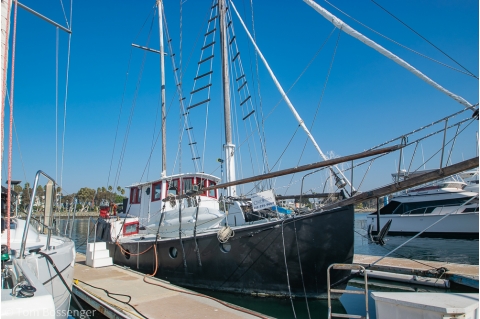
{"points": [[460, 251], [433, 249]]}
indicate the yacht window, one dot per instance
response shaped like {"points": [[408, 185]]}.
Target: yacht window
{"points": [[157, 191]]}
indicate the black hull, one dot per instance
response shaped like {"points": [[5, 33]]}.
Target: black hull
{"points": [[255, 263]]}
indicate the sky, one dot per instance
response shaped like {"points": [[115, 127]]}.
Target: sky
{"points": [[351, 97]]}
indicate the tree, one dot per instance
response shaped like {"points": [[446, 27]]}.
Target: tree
{"points": [[25, 196], [85, 196]]}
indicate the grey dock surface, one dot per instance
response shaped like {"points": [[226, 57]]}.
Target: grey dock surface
{"points": [[159, 299]]}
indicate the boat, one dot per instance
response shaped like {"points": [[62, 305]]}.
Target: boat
{"points": [[445, 209], [180, 229], [37, 261]]}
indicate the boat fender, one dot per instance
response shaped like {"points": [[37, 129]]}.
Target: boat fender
{"points": [[224, 234]]}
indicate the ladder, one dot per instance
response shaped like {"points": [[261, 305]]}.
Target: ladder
{"points": [[361, 269]]}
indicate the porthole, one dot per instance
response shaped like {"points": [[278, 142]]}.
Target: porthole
{"points": [[225, 247], [127, 253], [173, 252]]}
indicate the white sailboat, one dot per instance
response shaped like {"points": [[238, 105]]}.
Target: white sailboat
{"points": [[37, 262]]}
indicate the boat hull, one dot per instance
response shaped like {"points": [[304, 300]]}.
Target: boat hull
{"points": [[253, 261], [463, 225]]}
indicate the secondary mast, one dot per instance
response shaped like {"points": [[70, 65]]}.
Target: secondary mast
{"points": [[162, 88], [229, 147]]}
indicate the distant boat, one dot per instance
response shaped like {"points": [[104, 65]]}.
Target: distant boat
{"points": [[413, 211]]}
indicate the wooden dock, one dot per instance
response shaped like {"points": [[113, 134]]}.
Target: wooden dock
{"points": [[150, 297]]}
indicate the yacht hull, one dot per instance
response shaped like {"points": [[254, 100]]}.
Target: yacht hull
{"points": [[462, 225], [259, 259]]}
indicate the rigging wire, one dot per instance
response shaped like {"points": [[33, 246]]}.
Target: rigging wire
{"points": [[424, 38], [121, 108], [399, 44], [320, 101], [66, 94]]}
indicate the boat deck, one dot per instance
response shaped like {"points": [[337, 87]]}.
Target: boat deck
{"points": [[152, 297]]}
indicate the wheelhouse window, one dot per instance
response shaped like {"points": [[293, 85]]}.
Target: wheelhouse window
{"points": [[213, 192], [135, 195], [188, 185], [173, 187], [157, 191]]}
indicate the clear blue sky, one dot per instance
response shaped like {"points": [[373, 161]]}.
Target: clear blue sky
{"points": [[368, 98]]}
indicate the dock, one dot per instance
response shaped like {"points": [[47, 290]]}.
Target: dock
{"points": [[135, 295], [461, 274]]}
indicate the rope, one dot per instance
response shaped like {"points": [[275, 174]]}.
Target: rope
{"points": [[5, 73], [401, 45], [425, 39], [300, 264], [224, 234], [286, 268]]}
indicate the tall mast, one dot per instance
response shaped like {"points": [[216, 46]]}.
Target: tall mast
{"points": [[162, 88], [350, 31], [229, 147]]}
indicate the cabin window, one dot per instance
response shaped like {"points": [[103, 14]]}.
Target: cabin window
{"points": [[212, 192], [173, 188], [157, 191], [187, 185], [135, 195]]}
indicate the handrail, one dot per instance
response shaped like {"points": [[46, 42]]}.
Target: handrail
{"points": [[30, 210]]}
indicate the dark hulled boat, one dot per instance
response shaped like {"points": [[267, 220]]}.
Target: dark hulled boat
{"points": [[268, 258]]}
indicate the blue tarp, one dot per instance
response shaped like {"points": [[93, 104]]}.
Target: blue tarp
{"points": [[281, 210]]}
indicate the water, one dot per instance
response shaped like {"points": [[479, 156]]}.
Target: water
{"points": [[427, 249]]}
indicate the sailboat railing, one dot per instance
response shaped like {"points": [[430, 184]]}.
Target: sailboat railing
{"points": [[30, 211]]}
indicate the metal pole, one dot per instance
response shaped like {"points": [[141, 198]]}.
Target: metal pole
{"points": [[73, 218], [43, 17], [378, 215], [162, 89]]}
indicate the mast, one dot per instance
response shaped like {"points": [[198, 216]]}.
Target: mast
{"points": [[350, 31], [162, 88], [229, 147]]}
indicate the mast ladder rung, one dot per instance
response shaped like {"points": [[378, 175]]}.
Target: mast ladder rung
{"points": [[185, 113], [236, 56], [248, 115], [216, 4], [206, 59], [211, 31], [173, 54], [230, 22], [199, 103], [179, 83], [248, 98], [192, 143], [181, 99], [233, 39], [241, 86], [240, 77], [189, 128], [207, 46], [195, 158], [342, 291], [213, 18], [202, 88], [201, 76]]}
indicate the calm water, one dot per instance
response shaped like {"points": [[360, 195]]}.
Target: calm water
{"points": [[427, 249]]}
